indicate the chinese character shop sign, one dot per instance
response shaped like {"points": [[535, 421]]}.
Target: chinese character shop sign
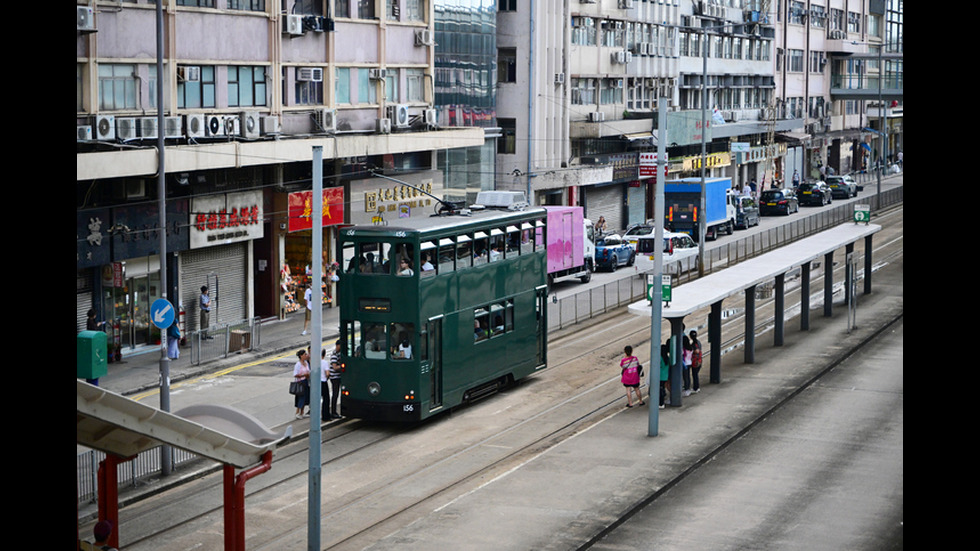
{"points": [[227, 218], [301, 208]]}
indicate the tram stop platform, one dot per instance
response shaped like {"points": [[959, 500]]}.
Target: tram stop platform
{"points": [[745, 277]]}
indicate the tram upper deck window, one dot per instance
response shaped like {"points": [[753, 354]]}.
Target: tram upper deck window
{"points": [[404, 260], [367, 258], [513, 241], [539, 234], [481, 248], [498, 242], [527, 243], [447, 255], [464, 252], [427, 257]]}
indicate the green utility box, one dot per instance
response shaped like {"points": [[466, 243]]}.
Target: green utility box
{"points": [[90, 354]]}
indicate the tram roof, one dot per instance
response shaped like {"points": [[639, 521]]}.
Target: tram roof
{"points": [[454, 222]]}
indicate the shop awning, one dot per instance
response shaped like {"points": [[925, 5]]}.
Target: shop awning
{"points": [[793, 136]]}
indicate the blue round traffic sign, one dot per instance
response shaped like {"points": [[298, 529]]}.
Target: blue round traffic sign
{"points": [[162, 313]]}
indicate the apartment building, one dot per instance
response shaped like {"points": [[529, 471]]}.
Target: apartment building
{"points": [[249, 88]]}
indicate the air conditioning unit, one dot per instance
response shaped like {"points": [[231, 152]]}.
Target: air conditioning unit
{"points": [[326, 119], [85, 19], [269, 125], [293, 25], [173, 127], [384, 126], [309, 74], [559, 78], [105, 127], [398, 114], [195, 125], [597, 116], [377, 74], [84, 132], [249, 124], [214, 125], [625, 4], [620, 57], [126, 128], [423, 37], [188, 73], [628, 55], [148, 128], [313, 23], [232, 124], [431, 117]]}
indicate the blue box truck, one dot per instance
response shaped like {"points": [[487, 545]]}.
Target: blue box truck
{"points": [[682, 206]]}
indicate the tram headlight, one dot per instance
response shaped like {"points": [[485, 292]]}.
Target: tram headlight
{"points": [[374, 389]]}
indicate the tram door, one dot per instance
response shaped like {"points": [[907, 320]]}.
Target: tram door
{"points": [[433, 352], [542, 325]]}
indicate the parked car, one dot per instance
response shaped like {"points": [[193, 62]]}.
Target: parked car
{"points": [[778, 201], [612, 252], [842, 187], [814, 193], [746, 212]]}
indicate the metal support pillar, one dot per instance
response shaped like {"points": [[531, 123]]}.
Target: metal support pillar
{"points": [[676, 377], [805, 297], [848, 250], [714, 341], [867, 265], [750, 325], [828, 284], [780, 313]]}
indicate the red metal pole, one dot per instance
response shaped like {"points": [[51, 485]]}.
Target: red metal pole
{"points": [[235, 502], [109, 496]]}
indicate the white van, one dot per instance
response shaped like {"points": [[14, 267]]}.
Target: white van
{"points": [[676, 247]]}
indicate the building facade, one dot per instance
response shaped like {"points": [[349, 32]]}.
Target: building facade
{"points": [[249, 90]]}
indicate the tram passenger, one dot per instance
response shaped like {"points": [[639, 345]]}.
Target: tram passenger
{"points": [[404, 350], [478, 332], [426, 265], [405, 268], [498, 325]]}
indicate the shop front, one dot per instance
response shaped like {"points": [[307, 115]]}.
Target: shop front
{"points": [[222, 230], [296, 264], [119, 267]]}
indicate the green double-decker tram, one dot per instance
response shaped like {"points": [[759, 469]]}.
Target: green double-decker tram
{"points": [[438, 311]]}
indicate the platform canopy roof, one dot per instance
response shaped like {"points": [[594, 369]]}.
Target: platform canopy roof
{"points": [[114, 424]]}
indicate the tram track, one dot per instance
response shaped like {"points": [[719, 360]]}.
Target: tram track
{"points": [[408, 481]]}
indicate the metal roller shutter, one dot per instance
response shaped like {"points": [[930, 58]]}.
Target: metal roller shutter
{"points": [[637, 207], [225, 265], [606, 201]]}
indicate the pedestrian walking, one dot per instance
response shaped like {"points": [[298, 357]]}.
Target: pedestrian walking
{"points": [[308, 297], [631, 372]]}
